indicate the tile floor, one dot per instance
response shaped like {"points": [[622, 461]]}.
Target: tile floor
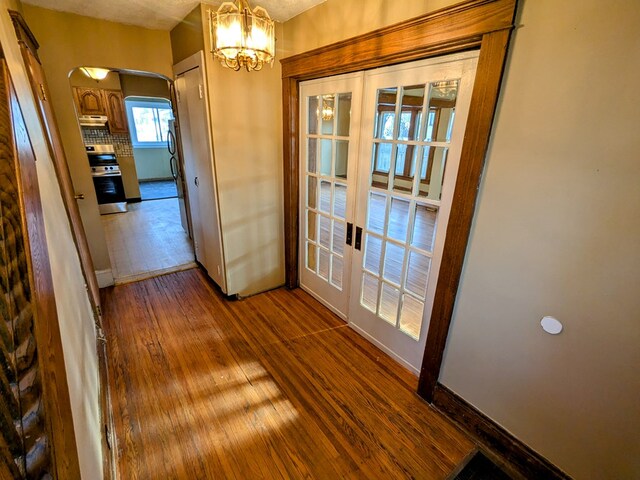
{"points": [[147, 240], [156, 189]]}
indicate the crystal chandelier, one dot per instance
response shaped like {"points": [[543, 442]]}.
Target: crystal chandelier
{"points": [[241, 37]]}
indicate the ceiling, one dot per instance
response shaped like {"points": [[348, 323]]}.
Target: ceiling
{"points": [[162, 14]]}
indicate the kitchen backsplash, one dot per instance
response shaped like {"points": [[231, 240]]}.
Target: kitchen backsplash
{"points": [[101, 136]]}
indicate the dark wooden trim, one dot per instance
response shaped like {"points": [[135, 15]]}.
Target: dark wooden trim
{"points": [[290, 107], [476, 139], [486, 24], [134, 200], [510, 451], [452, 29]]}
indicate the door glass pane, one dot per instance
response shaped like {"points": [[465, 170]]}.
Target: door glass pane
{"points": [[312, 192], [344, 114], [385, 114], [311, 257], [312, 152], [313, 115], [339, 200], [376, 212], [323, 263], [417, 274], [398, 219], [327, 114], [325, 157], [336, 271], [342, 158], [442, 102], [325, 196], [338, 237], [434, 162], [405, 168], [410, 113], [411, 316], [381, 165], [389, 298], [311, 225], [424, 227], [325, 231], [372, 252], [369, 297], [393, 260]]}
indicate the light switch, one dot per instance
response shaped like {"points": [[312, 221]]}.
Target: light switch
{"points": [[551, 325]]}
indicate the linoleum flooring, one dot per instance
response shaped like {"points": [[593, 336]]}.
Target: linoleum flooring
{"points": [[147, 240]]}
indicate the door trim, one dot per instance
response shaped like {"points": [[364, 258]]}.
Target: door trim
{"points": [[483, 24]]}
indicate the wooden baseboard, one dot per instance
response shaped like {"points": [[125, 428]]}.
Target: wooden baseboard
{"points": [[510, 451]]}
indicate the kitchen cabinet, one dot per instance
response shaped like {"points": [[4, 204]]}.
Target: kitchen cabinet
{"points": [[98, 101], [114, 101], [89, 101]]}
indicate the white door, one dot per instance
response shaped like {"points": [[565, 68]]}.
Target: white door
{"points": [[329, 125], [412, 124], [200, 172], [414, 118]]}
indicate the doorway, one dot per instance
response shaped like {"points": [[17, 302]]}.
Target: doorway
{"points": [[379, 157], [125, 120]]}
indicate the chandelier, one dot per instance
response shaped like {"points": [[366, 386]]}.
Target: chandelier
{"points": [[241, 37]]}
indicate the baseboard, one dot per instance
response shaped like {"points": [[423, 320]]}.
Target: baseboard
{"points": [[159, 179], [105, 278], [134, 200], [510, 451]]}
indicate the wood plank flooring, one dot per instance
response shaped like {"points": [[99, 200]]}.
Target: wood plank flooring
{"points": [[272, 386]]}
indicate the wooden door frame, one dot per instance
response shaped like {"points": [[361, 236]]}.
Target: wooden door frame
{"points": [[475, 24]]}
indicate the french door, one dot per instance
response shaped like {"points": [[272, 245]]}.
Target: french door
{"points": [[399, 187]]}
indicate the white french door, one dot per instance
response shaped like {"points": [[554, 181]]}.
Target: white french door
{"points": [[400, 185], [330, 125]]}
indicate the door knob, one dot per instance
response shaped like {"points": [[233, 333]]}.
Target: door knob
{"points": [[79, 196]]}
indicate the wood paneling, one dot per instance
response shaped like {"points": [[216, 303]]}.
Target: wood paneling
{"points": [[522, 461], [477, 23], [272, 386], [39, 380]]}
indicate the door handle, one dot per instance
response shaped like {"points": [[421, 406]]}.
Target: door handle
{"points": [[195, 180], [358, 238], [79, 196], [349, 233], [173, 170]]}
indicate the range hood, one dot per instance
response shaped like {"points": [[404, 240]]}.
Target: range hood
{"points": [[93, 121]]}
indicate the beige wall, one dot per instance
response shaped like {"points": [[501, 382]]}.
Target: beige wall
{"points": [[247, 142], [74, 311], [336, 20], [556, 231], [143, 86], [68, 41], [187, 37]]}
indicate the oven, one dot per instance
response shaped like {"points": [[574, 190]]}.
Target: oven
{"points": [[107, 179]]}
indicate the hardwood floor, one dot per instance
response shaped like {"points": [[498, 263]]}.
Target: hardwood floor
{"points": [[272, 386]]}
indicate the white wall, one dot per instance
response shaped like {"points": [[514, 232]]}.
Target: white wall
{"points": [[74, 311]]}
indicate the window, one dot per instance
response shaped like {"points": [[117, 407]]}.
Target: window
{"points": [[149, 118]]}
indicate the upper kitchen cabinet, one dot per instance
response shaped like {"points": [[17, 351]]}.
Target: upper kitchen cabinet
{"points": [[115, 111], [89, 101]]}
